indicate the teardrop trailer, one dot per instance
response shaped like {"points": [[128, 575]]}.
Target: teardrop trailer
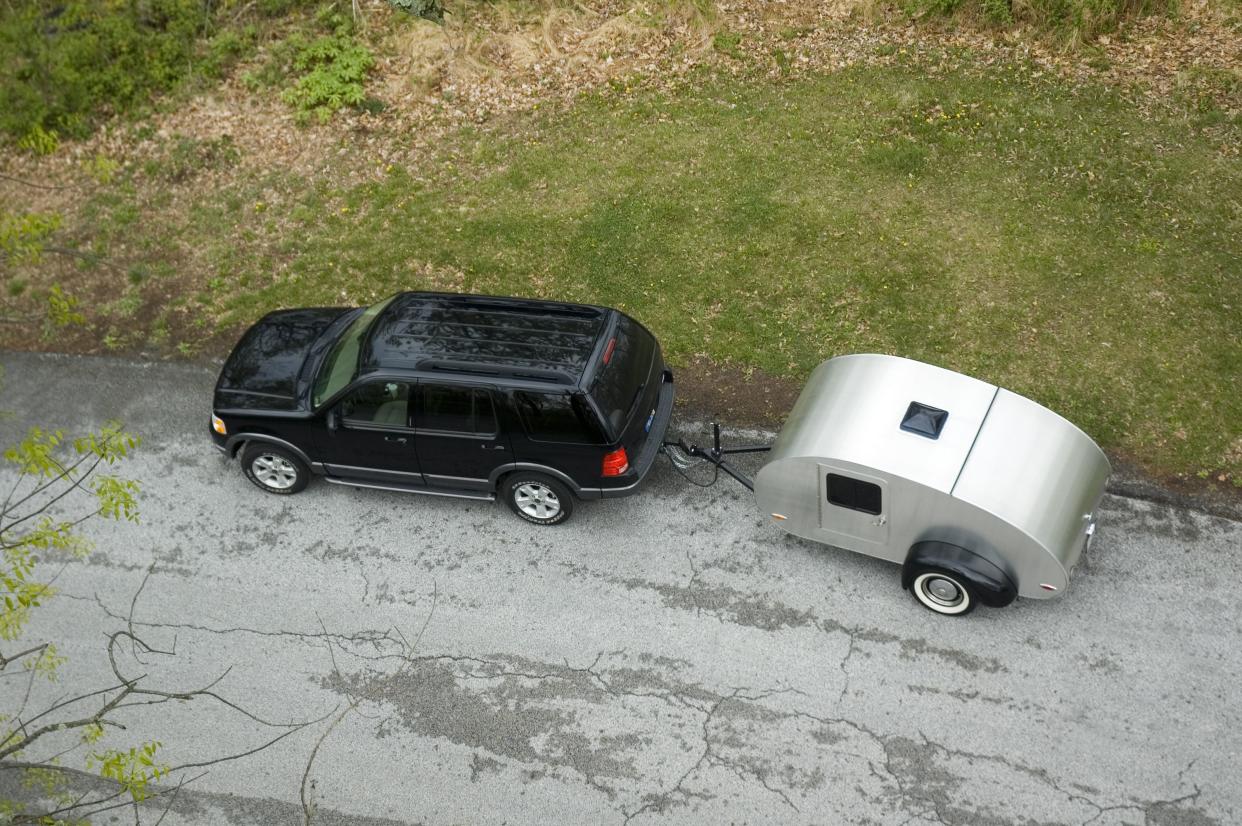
{"points": [[980, 494]]}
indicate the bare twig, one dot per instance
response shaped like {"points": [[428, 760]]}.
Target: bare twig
{"points": [[255, 750], [308, 807], [171, 801], [4, 661], [37, 186], [308, 804], [129, 619], [77, 483]]}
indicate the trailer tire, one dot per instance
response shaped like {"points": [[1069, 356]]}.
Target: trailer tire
{"points": [[943, 592], [979, 576]]}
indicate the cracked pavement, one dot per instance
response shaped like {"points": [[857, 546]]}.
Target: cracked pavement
{"points": [[667, 658]]}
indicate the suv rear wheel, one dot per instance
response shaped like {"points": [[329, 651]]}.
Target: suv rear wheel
{"points": [[537, 498], [274, 469]]}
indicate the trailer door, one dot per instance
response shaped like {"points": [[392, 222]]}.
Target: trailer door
{"points": [[853, 508]]}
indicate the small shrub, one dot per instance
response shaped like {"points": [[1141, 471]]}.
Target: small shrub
{"points": [[101, 168], [917, 8], [333, 68], [728, 43], [226, 48], [62, 311], [783, 62], [278, 8], [186, 157], [22, 235], [997, 11], [432, 10], [40, 141]]}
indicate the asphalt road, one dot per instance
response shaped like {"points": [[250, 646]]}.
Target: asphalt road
{"points": [[668, 658]]}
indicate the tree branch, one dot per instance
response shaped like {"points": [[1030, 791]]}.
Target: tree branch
{"points": [[4, 661], [64, 474]]}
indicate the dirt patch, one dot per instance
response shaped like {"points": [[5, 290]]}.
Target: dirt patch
{"points": [[735, 396], [1132, 480]]}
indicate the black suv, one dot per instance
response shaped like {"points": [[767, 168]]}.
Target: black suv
{"points": [[454, 395]]}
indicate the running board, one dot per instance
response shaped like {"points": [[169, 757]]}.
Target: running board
{"points": [[478, 495]]}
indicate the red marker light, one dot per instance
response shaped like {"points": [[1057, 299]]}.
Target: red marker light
{"points": [[616, 463]]}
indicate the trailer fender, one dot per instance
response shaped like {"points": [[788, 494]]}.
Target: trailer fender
{"points": [[991, 584]]}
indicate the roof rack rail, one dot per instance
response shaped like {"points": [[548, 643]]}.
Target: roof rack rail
{"points": [[519, 305], [491, 369]]}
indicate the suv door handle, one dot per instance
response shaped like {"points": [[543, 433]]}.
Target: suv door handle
{"points": [[398, 439], [494, 447]]}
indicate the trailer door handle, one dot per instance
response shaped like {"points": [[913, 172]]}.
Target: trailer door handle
{"points": [[883, 520]]}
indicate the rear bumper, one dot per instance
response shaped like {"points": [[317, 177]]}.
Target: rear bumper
{"points": [[651, 448]]}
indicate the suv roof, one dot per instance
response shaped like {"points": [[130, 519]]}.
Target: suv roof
{"points": [[521, 338]]}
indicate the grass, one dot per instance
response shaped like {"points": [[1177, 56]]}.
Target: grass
{"points": [[1053, 240]]}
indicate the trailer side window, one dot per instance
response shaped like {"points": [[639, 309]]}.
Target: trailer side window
{"points": [[854, 494]]}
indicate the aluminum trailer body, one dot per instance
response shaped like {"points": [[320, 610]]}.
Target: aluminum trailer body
{"points": [[898, 459]]}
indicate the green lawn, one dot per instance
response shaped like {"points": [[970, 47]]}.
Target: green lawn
{"points": [[1049, 239]]}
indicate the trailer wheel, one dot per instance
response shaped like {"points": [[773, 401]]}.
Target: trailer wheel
{"points": [[943, 592]]}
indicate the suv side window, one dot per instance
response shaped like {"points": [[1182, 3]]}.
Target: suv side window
{"points": [[455, 409], [557, 417], [378, 404]]}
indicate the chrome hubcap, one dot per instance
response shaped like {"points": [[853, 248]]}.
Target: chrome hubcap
{"points": [[942, 591], [274, 471], [537, 500]]}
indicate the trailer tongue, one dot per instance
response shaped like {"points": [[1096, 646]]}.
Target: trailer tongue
{"points": [[980, 494], [716, 455]]}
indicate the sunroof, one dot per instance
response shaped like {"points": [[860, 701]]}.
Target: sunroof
{"points": [[924, 420]]}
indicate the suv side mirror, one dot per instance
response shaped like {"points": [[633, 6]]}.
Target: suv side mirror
{"points": [[332, 419]]}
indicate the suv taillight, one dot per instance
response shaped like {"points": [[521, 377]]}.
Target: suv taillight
{"points": [[616, 463]]}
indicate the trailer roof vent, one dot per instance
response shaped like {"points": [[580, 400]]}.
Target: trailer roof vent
{"points": [[924, 420]]}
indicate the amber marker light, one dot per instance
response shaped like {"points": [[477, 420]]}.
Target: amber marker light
{"points": [[217, 424], [779, 516]]}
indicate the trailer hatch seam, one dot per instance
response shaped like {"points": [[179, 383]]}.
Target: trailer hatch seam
{"points": [[995, 392]]}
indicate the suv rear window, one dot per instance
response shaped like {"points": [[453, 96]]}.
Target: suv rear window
{"points": [[557, 417], [627, 363], [455, 409]]}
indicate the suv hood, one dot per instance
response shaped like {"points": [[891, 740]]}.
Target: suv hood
{"points": [[262, 371]]}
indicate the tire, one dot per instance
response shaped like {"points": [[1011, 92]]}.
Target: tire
{"points": [[943, 592], [274, 469], [539, 499]]}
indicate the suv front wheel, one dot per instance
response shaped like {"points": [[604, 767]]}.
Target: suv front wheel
{"points": [[274, 469], [537, 498]]}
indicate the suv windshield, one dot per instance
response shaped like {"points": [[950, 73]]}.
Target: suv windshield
{"points": [[341, 363], [625, 367]]}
